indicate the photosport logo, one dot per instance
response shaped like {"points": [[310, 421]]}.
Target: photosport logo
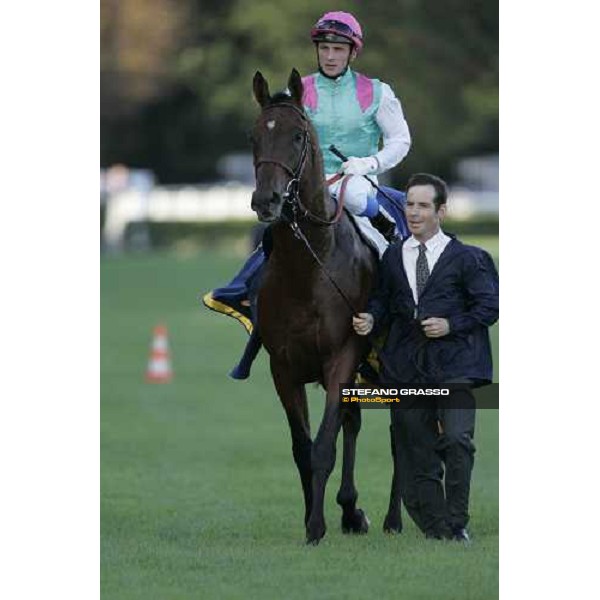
{"points": [[451, 395]]}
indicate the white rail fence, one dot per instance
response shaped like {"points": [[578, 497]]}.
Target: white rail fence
{"points": [[186, 204], [230, 201]]}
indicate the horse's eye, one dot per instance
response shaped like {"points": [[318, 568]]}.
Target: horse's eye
{"points": [[298, 137]]}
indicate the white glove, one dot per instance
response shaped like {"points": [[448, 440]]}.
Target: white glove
{"points": [[360, 166], [363, 324]]}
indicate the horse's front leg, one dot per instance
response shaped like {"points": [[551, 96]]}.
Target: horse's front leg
{"points": [[354, 519], [293, 399], [323, 461], [336, 371]]}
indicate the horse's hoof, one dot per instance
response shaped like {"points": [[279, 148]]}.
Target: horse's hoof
{"points": [[392, 525], [314, 534], [358, 522]]}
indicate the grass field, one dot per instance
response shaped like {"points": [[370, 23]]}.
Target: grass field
{"points": [[200, 496]]}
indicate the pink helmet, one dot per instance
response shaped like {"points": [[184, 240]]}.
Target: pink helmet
{"points": [[340, 27]]}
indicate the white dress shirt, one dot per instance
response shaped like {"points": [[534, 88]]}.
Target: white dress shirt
{"points": [[410, 252], [394, 129]]}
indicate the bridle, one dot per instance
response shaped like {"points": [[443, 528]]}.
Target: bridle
{"points": [[292, 196]]}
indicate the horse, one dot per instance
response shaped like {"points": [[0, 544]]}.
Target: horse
{"points": [[318, 273]]}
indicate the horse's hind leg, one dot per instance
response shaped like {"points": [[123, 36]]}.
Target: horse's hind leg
{"points": [[354, 519], [293, 399]]}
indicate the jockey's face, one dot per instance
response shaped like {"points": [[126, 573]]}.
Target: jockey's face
{"points": [[334, 57], [421, 214]]}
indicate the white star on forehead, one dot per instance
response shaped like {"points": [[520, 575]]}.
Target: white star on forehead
{"points": [[270, 124]]}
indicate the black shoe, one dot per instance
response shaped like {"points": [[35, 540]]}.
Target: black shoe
{"points": [[461, 535]]}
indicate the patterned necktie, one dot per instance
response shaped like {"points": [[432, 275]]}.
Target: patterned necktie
{"points": [[422, 270]]}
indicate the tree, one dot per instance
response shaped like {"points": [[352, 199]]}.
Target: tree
{"points": [[440, 57]]}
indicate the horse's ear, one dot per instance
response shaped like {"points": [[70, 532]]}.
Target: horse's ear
{"points": [[261, 89], [295, 86]]}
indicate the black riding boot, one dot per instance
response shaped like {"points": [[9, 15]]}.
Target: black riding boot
{"points": [[385, 224]]}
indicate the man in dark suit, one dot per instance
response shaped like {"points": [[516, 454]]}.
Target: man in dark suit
{"points": [[438, 297]]}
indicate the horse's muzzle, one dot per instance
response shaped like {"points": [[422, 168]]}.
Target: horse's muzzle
{"points": [[267, 207]]}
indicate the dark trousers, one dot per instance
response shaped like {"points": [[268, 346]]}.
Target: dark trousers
{"points": [[437, 443]]}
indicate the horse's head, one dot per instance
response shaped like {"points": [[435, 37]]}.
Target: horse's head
{"points": [[281, 145]]}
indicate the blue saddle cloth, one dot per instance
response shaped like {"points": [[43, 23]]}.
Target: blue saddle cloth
{"points": [[237, 299], [233, 299]]}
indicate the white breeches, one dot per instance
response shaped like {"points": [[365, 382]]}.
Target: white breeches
{"points": [[358, 190]]}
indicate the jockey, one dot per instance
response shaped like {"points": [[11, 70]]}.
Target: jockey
{"points": [[352, 112]]}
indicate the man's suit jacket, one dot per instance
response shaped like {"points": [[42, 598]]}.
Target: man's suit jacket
{"points": [[463, 288]]}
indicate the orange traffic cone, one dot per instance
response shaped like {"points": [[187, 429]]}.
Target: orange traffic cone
{"points": [[159, 365]]}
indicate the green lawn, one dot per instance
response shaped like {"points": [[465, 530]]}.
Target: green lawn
{"points": [[200, 496]]}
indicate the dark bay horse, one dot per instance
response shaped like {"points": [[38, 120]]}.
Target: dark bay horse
{"points": [[304, 322]]}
